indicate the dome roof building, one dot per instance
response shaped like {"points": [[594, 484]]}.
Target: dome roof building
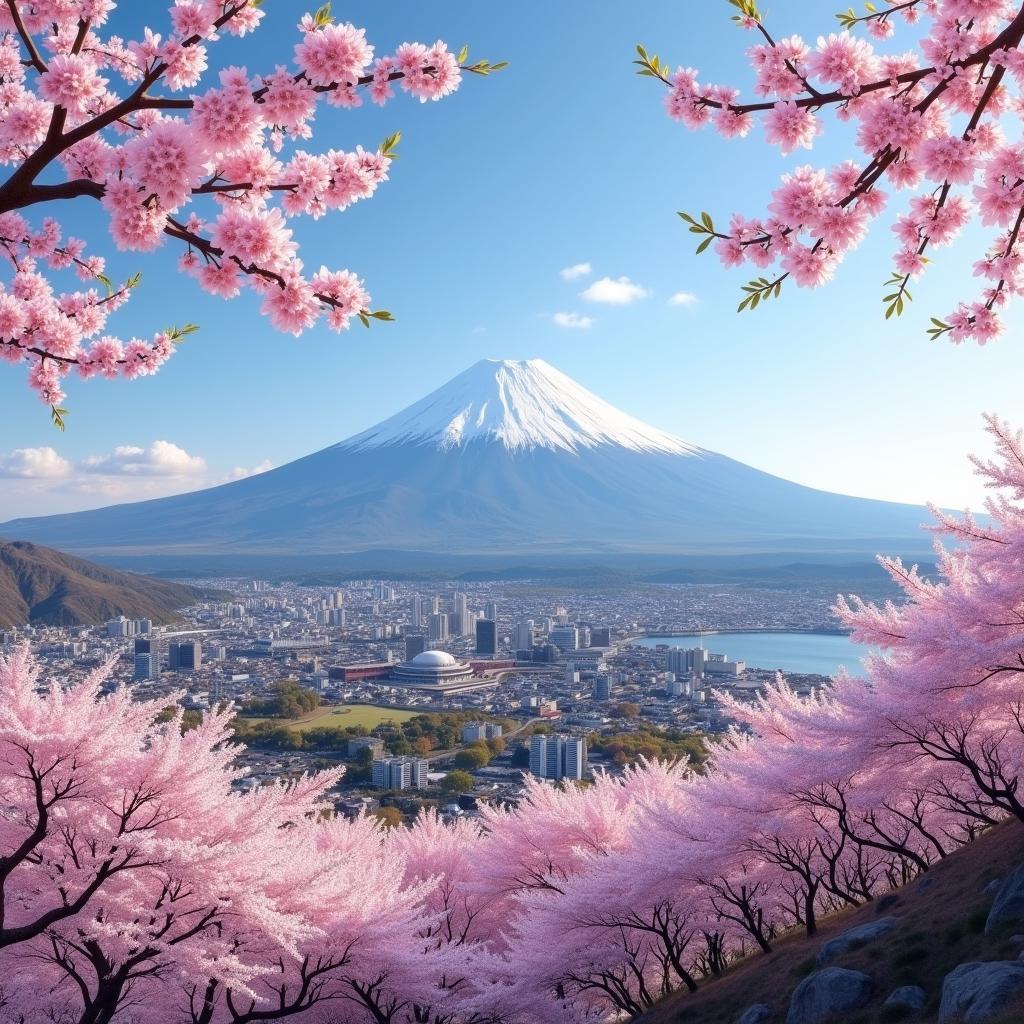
{"points": [[434, 670]]}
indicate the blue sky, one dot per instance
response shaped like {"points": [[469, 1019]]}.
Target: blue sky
{"points": [[565, 158]]}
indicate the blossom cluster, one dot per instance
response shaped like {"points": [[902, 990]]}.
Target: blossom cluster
{"points": [[218, 170], [146, 884], [930, 121]]}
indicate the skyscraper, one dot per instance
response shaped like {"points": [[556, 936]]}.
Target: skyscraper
{"points": [[565, 638], [486, 636], [186, 657], [603, 688], [415, 643], [416, 611], [600, 636], [522, 636], [459, 622], [491, 610], [439, 626]]}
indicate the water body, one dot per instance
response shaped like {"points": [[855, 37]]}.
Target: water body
{"points": [[821, 653]]}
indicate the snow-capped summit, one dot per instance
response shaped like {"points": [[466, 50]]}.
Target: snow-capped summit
{"points": [[523, 404]]}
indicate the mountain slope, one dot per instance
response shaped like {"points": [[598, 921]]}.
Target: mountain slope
{"points": [[937, 928], [510, 458], [40, 585]]}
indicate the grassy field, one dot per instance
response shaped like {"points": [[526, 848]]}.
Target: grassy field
{"points": [[340, 717]]}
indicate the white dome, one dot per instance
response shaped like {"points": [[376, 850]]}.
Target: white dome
{"points": [[434, 659]]}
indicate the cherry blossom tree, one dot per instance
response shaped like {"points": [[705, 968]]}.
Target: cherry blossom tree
{"points": [[137, 882], [929, 121], [218, 169]]}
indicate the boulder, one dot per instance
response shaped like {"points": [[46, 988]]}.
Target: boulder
{"points": [[854, 937], [912, 996], [925, 884], [975, 993], [1009, 902], [759, 1013], [826, 994]]}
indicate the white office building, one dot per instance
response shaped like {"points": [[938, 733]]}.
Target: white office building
{"points": [[522, 635], [400, 773], [558, 757]]}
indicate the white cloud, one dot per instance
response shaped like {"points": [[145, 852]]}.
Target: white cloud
{"points": [[682, 299], [241, 472], [573, 320], [614, 291], [576, 270], [161, 458], [34, 464]]}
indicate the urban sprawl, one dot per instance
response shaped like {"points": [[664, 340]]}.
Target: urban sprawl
{"points": [[434, 696]]}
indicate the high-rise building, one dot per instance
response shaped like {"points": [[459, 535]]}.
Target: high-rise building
{"points": [[459, 619], [400, 773], [682, 661], [565, 638], [600, 636], [486, 636], [143, 666], [603, 688], [522, 636], [439, 626], [415, 644], [117, 627], [491, 610], [416, 611], [185, 657], [383, 592], [558, 757]]}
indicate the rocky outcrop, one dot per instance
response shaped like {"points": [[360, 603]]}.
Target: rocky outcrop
{"points": [[826, 994], [1009, 902], [912, 996], [976, 993], [855, 938]]}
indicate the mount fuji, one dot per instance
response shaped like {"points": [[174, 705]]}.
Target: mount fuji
{"points": [[511, 458]]}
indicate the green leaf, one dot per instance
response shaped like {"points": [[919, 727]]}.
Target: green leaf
{"points": [[387, 147], [177, 333], [703, 245], [365, 320], [57, 416], [134, 280], [382, 314], [463, 54], [641, 51], [706, 218], [323, 16]]}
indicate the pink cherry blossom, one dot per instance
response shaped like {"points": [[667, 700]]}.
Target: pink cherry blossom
{"points": [[167, 153], [932, 117]]}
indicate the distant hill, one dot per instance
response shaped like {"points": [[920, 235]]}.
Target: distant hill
{"points": [[41, 585]]}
